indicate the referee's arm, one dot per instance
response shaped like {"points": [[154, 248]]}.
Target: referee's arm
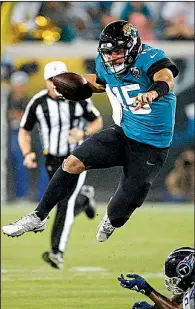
{"points": [[93, 117], [27, 123], [24, 140], [94, 126]]}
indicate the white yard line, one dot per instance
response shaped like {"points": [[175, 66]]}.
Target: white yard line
{"points": [[87, 269], [77, 271]]}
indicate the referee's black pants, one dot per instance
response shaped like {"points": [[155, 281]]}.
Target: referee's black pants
{"points": [[141, 164], [66, 209]]}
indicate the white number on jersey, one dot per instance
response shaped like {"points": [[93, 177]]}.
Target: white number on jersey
{"points": [[129, 100], [188, 299]]}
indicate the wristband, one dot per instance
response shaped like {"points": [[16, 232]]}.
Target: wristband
{"points": [[162, 88], [148, 290]]}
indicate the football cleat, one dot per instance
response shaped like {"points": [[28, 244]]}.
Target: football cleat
{"points": [[54, 259], [90, 212], [29, 223], [89, 192], [105, 229]]}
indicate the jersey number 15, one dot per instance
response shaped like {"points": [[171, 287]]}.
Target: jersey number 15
{"points": [[127, 102]]}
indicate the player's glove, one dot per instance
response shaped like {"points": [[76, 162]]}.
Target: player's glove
{"points": [[142, 305], [137, 283]]}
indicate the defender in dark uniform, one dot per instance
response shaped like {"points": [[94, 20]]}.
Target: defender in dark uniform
{"points": [[179, 279]]}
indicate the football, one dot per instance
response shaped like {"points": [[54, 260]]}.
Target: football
{"points": [[72, 86]]}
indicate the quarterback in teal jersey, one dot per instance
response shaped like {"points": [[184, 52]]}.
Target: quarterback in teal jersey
{"points": [[139, 82], [147, 124]]}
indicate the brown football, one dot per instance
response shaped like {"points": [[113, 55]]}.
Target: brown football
{"points": [[72, 86]]}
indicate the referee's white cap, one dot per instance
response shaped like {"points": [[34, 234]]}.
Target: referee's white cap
{"points": [[54, 68]]}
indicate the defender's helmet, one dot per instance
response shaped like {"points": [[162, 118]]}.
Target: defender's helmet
{"points": [[179, 270], [115, 36]]}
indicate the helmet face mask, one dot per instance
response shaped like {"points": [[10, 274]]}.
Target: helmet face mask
{"points": [[116, 65], [119, 36], [172, 284], [179, 270]]}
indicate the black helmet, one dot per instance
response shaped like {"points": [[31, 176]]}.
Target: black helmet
{"points": [[179, 270], [119, 35]]}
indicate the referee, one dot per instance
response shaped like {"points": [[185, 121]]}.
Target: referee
{"points": [[63, 125]]}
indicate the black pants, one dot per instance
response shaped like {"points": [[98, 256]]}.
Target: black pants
{"points": [[141, 164], [66, 209]]}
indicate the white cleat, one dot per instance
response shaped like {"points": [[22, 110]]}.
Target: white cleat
{"points": [[105, 229], [29, 223]]}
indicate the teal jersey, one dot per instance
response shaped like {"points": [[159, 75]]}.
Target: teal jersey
{"points": [[152, 124]]}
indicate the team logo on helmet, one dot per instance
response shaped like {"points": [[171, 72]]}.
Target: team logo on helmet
{"points": [[185, 267], [129, 29]]}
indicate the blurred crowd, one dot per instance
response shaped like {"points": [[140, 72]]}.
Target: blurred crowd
{"points": [[180, 180], [22, 182], [69, 21]]}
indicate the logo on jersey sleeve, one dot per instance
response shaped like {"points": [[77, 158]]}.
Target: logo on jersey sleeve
{"points": [[185, 267], [135, 72], [152, 56]]}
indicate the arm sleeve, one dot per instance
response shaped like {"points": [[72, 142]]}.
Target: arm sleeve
{"points": [[90, 112], [157, 60], [162, 64], [29, 118]]}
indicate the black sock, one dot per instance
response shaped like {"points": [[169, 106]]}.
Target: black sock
{"points": [[56, 251], [61, 185]]}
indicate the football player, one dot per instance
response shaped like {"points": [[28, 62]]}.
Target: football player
{"points": [[179, 272], [139, 82]]}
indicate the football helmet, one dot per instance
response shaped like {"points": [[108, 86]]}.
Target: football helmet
{"points": [[179, 270], [119, 35]]}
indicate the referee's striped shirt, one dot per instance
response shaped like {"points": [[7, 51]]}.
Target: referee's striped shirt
{"points": [[55, 118]]}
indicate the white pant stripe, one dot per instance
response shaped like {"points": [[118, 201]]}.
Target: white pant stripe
{"points": [[70, 213]]}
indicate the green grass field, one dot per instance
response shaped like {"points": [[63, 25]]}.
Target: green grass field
{"points": [[91, 268]]}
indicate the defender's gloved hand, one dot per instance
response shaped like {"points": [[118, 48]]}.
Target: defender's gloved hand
{"points": [[138, 284], [142, 305]]}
